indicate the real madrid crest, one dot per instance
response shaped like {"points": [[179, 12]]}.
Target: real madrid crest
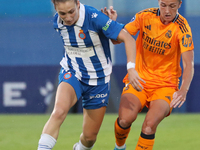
{"points": [[82, 35], [168, 34]]}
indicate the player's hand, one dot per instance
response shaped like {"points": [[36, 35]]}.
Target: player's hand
{"points": [[134, 79], [179, 97], [111, 13]]}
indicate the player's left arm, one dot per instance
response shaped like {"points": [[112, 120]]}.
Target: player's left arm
{"points": [[179, 97]]}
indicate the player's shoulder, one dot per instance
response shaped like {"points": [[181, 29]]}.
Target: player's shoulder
{"points": [[56, 21], [182, 23], [55, 16], [149, 11], [90, 10], [95, 16]]}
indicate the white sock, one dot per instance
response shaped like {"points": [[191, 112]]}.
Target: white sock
{"points": [[80, 146], [46, 142], [120, 147]]}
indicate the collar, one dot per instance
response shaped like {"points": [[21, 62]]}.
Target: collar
{"points": [[81, 16]]}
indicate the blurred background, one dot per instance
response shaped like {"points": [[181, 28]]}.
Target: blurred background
{"points": [[30, 52]]}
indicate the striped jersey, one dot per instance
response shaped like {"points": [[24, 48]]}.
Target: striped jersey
{"points": [[159, 47], [86, 43]]}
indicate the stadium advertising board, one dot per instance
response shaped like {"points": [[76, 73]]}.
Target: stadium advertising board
{"points": [[27, 89]]}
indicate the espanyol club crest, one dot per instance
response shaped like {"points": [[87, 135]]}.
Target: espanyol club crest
{"points": [[82, 35], [67, 75]]}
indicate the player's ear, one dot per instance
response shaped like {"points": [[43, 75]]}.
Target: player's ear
{"points": [[180, 4], [78, 3]]}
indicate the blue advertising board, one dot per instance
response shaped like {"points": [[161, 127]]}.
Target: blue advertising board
{"points": [[27, 89]]}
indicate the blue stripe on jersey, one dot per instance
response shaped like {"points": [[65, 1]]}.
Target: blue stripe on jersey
{"points": [[84, 74], [72, 36], [106, 47], [98, 68]]}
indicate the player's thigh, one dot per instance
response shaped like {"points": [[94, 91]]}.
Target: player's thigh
{"points": [[68, 91], [92, 120], [65, 97], [165, 94], [158, 110], [131, 103], [129, 107]]}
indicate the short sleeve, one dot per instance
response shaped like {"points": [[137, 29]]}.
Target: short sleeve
{"points": [[104, 24], [134, 25], [185, 39]]}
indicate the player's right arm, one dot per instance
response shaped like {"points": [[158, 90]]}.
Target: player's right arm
{"points": [[130, 46]]}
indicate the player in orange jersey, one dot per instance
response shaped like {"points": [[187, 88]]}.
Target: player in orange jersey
{"points": [[164, 37]]}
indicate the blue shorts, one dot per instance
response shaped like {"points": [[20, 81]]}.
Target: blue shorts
{"points": [[93, 97]]}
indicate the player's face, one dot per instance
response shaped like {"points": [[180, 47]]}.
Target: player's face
{"points": [[168, 10], [68, 11]]}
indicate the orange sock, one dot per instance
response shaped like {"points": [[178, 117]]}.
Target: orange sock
{"points": [[145, 142], [121, 134]]}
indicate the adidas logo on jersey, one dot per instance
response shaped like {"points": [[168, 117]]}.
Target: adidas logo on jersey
{"points": [[168, 97], [148, 27]]}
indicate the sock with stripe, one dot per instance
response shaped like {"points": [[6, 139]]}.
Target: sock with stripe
{"points": [[46, 142], [145, 142], [121, 134]]}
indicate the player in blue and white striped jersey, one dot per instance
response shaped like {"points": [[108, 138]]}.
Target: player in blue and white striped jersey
{"points": [[86, 68]]}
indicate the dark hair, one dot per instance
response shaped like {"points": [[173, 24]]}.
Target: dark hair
{"points": [[179, 1], [56, 1]]}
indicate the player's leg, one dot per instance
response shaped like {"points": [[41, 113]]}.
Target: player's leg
{"points": [[95, 101], [129, 107], [66, 97], [158, 110], [92, 120]]}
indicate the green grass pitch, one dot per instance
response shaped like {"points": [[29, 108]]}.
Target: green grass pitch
{"points": [[22, 132]]}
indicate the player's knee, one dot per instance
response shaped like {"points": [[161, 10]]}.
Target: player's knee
{"points": [[124, 123], [89, 138], [59, 114], [149, 128]]}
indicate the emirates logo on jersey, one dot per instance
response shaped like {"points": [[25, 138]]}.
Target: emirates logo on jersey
{"points": [[82, 35], [168, 34]]}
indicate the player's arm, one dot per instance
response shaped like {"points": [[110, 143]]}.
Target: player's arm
{"points": [[112, 14], [130, 46], [179, 97]]}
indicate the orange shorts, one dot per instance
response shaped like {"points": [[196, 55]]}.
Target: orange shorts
{"points": [[148, 95]]}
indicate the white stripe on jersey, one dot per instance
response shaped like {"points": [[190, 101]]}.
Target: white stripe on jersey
{"points": [[59, 22], [63, 64], [107, 65], [65, 35]]}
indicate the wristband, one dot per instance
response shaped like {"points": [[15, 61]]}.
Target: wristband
{"points": [[130, 65]]}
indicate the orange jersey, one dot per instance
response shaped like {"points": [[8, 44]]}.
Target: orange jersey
{"points": [[159, 47]]}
